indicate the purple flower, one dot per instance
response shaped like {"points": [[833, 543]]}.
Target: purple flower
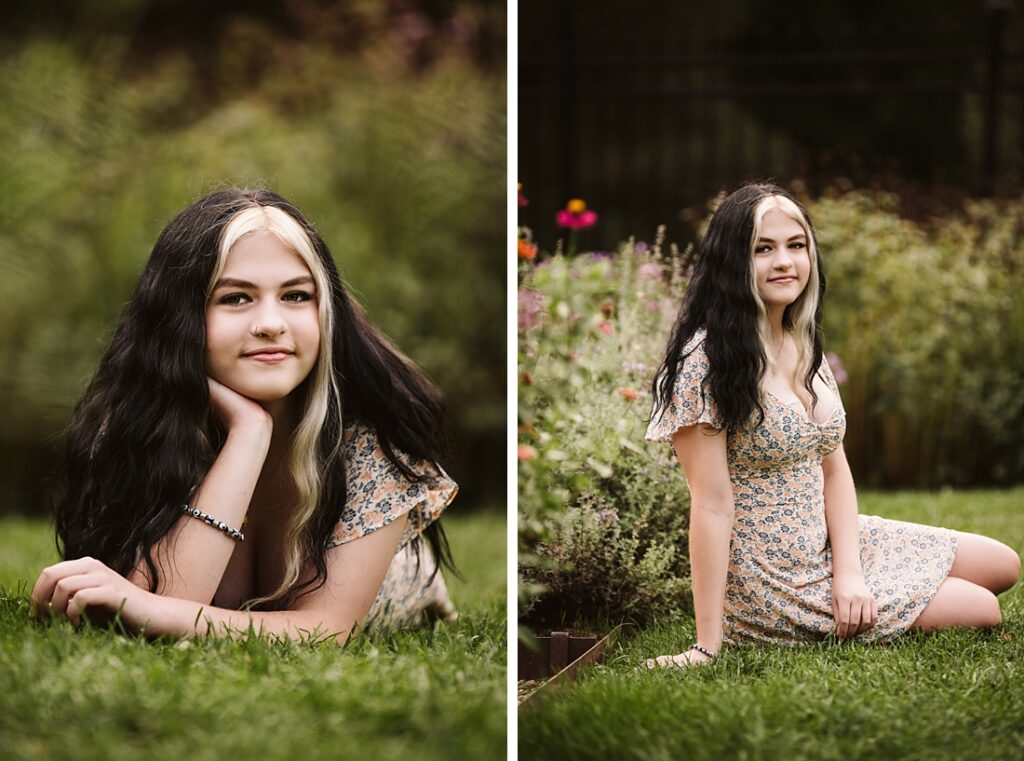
{"points": [[606, 516]]}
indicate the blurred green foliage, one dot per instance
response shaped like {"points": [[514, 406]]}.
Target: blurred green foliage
{"points": [[402, 172], [928, 320]]}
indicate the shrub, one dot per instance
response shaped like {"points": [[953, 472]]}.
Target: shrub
{"points": [[603, 514], [930, 329]]}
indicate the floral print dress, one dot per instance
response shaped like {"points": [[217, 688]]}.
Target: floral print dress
{"points": [[779, 583], [378, 494]]}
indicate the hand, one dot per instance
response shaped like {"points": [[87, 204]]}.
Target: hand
{"points": [[234, 409], [682, 660], [853, 607], [86, 588]]}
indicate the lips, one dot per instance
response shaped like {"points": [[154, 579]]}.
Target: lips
{"points": [[786, 279], [269, 354], [268, 350]]}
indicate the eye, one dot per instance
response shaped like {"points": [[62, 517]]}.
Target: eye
{"points": [[233, 299], [299, 296], [762, 249], [798, 244]]}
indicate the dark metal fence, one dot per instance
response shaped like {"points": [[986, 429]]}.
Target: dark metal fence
{"points": [[645, 116]]}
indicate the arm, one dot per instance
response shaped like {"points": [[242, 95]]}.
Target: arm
{"points": [[853, 606], [355, 572], [193, 556], [701, 450]]}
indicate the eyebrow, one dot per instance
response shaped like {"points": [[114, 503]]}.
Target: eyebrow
{"points": [[230, 282], [792, 237]]}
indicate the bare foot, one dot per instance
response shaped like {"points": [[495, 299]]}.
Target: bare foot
{"points": [[680, 661]]}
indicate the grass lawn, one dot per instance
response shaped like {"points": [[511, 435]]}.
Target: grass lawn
{"points": [[428, 694], [952, 695]]}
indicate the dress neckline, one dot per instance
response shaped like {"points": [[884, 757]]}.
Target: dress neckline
{"points": [[802, 415]]}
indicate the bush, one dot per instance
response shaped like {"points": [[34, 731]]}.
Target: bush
{"points": [[603, 515], [930, 328]]}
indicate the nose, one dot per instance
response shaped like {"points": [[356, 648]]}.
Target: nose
{"points": [[268, 320], [782, 260]]}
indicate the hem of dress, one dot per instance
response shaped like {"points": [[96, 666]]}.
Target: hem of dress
{"points": [[922, 603]]}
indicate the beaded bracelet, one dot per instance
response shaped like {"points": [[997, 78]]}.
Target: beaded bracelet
{"points": [[704, 650], [195, 512]]}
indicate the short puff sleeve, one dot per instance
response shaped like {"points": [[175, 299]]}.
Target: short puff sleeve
{"points": [[378, 493], [691, 402]]}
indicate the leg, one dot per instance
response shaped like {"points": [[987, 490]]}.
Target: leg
{"points": [[959, 603], [985, 562]]}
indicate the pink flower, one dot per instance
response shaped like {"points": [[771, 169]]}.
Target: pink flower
{"points": [[650, 269], [605, 327], [836, 365], [531, 307], [527, 453], [628, 393], [576, 216]]}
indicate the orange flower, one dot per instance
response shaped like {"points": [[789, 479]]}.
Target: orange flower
{"points": [[628, 393], [527, 250], [526, 452]]}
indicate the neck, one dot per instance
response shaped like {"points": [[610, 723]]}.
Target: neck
{"points": [[776, 330]]}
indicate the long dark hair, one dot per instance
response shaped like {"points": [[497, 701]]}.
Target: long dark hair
{"points": [[722, 298], [139, 441]]}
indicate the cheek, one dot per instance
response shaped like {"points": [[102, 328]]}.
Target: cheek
{"points": [[307, 332], [218, 343]]}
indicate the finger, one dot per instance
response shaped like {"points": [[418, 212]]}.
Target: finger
{"points": [[66, 588], [867, 615], [874, 612], [843, 624], [42, 592], [80, 601], [856, 617]]}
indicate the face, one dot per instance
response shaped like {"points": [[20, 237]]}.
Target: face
{"points": [[782, 263], [262, 324]]}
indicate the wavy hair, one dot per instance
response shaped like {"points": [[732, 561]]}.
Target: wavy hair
{"points": [[722, 297], [142, 436]]}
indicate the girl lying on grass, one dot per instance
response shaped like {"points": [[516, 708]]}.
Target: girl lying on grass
{"points": [[778, 551], [252, 452]]}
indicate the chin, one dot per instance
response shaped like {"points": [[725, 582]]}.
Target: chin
{"points": [[263, 392]]}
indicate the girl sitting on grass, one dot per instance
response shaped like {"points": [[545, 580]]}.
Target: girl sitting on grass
{"points": [[778, 551], [251, 452]]}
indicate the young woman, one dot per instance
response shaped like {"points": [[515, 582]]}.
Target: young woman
{"points": [[251, 451], [778, 551]]}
